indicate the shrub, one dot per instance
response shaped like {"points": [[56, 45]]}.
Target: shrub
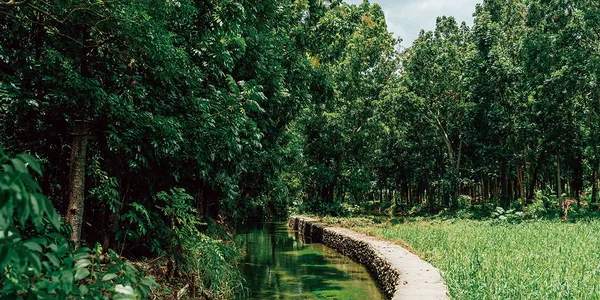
{"points": [[318, 207], [417, 210], [510, 215], [536, 210], [543, 207], [205, 262], [464, 201]]}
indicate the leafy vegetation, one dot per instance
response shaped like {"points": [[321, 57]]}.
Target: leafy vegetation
{"points": [[36, 258]]}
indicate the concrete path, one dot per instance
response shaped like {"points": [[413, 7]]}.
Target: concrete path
{"points": [[417, 280]]}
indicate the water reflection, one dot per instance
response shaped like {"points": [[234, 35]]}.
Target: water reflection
{"points": [[279, 265]]}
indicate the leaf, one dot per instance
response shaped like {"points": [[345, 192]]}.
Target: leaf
{"points": [[83, 290], [125, 290], [31, 162], [53, 216], [81, 253], [53, 258], [19, 165], [33, 246], [82, 273], [36, 264], [66, 276], [82, 263], [109, 276]]}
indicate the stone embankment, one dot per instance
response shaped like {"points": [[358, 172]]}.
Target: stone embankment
{"points": [[400, 274]]}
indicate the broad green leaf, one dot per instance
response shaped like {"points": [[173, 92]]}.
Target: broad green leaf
{"points": [[52, 258], [31, 162], [82, 263], [19, 165], [34, 259], [109, 276], [81, 253], [33, 246], [83, 290], [82, 273], [125, 290]]}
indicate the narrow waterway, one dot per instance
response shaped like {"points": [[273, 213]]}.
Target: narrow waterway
{"points": [[279, 265]]}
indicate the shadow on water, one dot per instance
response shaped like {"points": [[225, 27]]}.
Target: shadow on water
{"points": [[279, 265]]}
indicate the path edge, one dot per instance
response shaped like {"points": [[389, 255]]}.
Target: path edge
{"points": [[363, 250]]}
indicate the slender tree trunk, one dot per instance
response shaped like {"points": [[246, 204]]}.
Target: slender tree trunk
{"points": [[511, 197], [504, 192], [595, 166], [77, 181], [486, 190], [521, 185], [595, 160], [76, 192], [558, 181], [577, 179], [534, 182]]}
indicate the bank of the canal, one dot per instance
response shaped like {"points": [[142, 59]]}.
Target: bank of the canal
{"points": [[279, 264], [400, 274]]}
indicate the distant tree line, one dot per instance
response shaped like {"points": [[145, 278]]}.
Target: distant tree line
{"points": [[494, 112]]}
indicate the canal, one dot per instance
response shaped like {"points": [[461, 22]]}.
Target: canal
{"points": [[278, 264]]}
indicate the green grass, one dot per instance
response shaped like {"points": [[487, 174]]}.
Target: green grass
{"points": [[495, 260]]}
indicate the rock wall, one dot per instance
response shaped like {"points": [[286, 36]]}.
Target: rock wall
{"points": [[354, 247]]}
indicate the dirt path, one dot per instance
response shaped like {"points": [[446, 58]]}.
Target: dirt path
{"points": [[401, 274]]}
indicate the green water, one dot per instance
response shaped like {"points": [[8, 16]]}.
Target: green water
{"points": [[279, 265]]}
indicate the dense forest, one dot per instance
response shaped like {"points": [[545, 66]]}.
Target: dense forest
{"points": [[151, 126]]}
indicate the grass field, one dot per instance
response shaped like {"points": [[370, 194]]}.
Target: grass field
{"points": [[496, 260]]}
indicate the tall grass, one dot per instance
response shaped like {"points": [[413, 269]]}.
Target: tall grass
{"points": [[492, 260]]}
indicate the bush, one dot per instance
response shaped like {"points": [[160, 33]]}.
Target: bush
{"points": [[318, 207], [464, 214], [510, 215], [516, 205], [536, 210], [207, 263], [464, 201], [543, 207]]}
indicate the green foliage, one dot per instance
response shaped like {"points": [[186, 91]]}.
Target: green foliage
{"points": [[207, 262], [464, 201], [319, 207], [37, 260], [511, 215], [544, 206]]}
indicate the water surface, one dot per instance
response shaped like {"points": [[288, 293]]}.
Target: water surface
{"points": [[279, 265]]}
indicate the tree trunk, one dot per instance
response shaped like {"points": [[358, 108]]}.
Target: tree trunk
{"points": [[77, 181], [595, 166], [558, 181], [76, 192], [534, 182], [521, 185], [577, 179], [595, 162], [486, 191]]}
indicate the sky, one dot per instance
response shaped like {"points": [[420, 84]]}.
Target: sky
{"points": [[406, 18]]}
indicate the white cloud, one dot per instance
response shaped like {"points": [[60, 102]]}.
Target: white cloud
{"points": [[406, 18]]}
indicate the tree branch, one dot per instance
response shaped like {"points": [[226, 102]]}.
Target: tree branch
{"points": [[12, 3]]}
